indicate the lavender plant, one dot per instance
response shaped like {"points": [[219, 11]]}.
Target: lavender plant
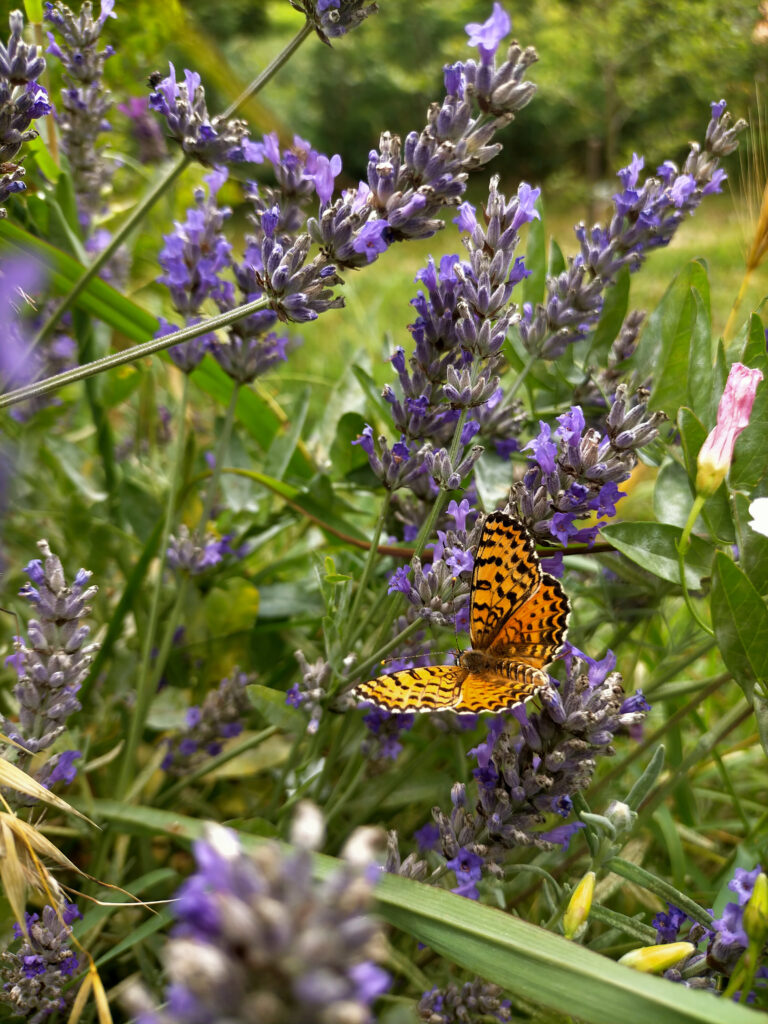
{"points": [[258, 502]]}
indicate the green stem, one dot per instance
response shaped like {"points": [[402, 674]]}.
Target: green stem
{"points": [[144, 689], [682, 547], [270, 70], [521, 377], [219, 456], [215, 762], [129, 355], [137, 214], [367, 570], [364, 666]]}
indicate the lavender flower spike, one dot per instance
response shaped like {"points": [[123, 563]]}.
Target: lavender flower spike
{"points": [[209, 726], [258, 940], [22, 101], [53, 661], [36, 978], [209, 140]]}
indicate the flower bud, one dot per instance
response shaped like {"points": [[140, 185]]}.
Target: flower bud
{"points": [[755, 919], [733, 414], [621, 816], [653, 959], [579, 905]]}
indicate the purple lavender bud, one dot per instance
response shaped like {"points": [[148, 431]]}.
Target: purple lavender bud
{"points": [[334, 18], [475, 1000]]}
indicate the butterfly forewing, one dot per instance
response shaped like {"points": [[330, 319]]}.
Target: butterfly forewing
{"points": [[535, 633], [506, 573], [433, 688]]}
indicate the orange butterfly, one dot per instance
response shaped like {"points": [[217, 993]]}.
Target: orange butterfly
{"points": [[518, 620]]}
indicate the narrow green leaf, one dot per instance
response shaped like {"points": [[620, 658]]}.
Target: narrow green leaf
{"points": [[556, 259], [284, 444], [654, 547], [317, 510], [642, 932], [760, 704], [611, 318], [647, 780], [536, 259], [740, 621], [371, 391], [665, 891]]}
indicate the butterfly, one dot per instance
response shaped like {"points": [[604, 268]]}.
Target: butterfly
{"points": [[518, 621]]}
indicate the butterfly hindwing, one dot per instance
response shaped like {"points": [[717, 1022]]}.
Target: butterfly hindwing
{"points": [[505, 575], [502, 690], [536, 631], [433, 688]]}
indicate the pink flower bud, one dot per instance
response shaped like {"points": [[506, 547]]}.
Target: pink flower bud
{"points": [[733, 414]]}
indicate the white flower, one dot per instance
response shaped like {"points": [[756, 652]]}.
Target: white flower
{"points": [[758, 509]]}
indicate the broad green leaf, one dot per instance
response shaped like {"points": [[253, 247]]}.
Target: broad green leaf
{"points": [[662, 352], [345, 457], [271, 705], [536, 259], [38, 149], [700, 360], [716, 512], [531, 963], [672, 498], [653, 546], [611, 318], [288, 600], [493, 478], [753, 546], [740, 621], [750, 456]]}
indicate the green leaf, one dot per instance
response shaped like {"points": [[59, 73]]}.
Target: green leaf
{"points": [[753, 546], [672, 498], [556, 259], [345, 457], [665, 891], [642, 932], [760, 705], [716, 511], [287, 601], [611, 318], [701, 358], [536, 259], [271, 705], [750, 464], [740, 621], [654, 547], [317, 510], [371, 390], [662, 352], [284, 444]]}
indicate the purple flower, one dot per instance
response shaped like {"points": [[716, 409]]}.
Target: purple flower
{"points": [[399, 581], [544, 449], [428, 836], [468, 868], [668, 925], [64, 769], [325, 173], [372, 239], [487, 35], [466, 219]]}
